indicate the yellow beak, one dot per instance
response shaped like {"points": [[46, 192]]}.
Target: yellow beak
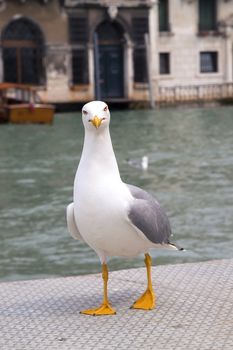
{"points": [[96, 122]]}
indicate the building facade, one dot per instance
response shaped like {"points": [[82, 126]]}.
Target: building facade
{"points": [[78, 50]]}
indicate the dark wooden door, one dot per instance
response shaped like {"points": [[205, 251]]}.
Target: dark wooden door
{"points": [[111, 71]]}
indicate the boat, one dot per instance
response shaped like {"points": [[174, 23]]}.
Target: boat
{"points": [[21, 103]]}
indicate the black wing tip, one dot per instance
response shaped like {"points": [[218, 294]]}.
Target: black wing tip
{"points": [[176, 246]]}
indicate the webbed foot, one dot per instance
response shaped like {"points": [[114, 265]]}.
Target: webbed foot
{"points": [[104, 309], [146, 301]]}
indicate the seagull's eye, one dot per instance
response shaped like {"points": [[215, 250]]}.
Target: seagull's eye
{"points": [[85, 112], [105, 108]]}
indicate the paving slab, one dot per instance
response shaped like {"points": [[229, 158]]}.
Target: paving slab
{"points": [[194, 310]]}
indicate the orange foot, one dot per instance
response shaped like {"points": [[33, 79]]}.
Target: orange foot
{"points": [[104, 309], [146, 301]]}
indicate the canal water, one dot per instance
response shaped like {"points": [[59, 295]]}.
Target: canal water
{"points": [[190, 171]]}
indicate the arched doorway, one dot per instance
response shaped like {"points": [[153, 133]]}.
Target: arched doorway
{"points": [[23, 50], [111, 63]]}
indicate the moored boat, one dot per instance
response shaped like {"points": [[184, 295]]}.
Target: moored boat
{"points": [[21, 104]]}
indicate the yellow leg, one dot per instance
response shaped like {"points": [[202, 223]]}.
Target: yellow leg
{"points": [[147, 300], [105, 308]]}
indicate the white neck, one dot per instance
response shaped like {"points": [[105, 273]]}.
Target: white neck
{"points": [[98, 158]]}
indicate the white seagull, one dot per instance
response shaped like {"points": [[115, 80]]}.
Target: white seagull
{"points": [[113, 218]]}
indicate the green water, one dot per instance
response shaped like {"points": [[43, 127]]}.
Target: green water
{"points": [[190, 172]]}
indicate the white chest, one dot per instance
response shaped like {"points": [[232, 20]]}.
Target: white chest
{"points": [[102, 201], [101, 213]]}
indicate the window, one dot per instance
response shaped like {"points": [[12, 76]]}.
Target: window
{"points": [[209, 62], [78, 32], [207, 15], [79, 66], [140, 69], [163, 16], [139, 29], [164, 63], [23, 52]]}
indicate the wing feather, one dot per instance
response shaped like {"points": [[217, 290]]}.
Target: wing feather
{"points": [[71, 224], [149, 217]]}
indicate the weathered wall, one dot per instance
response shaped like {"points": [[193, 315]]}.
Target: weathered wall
{"points": [[49, 17]]}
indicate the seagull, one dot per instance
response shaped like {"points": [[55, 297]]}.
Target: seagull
{"points": [[141, 163], [112, 217]]}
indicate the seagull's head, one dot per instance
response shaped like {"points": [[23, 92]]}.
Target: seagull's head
{"points": [[95, 115]]}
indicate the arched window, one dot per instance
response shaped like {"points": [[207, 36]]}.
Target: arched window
{"points": [[23, 51]]}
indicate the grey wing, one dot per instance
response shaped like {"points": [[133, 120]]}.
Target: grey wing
{"points": [[148, 216], [71, 224]]}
